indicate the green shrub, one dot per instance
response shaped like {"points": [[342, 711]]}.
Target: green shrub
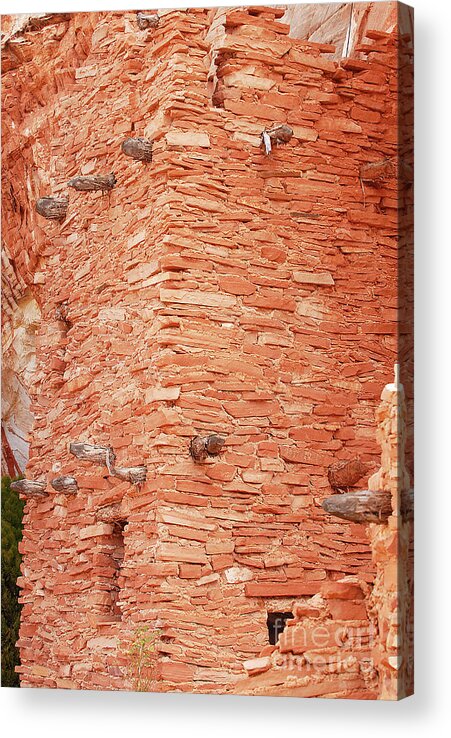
{"points": [[12, 510], [142, 658]]}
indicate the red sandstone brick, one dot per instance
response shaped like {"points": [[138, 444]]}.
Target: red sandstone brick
{"points": [[173, 671], [367, 116], [347, 610], [78, 383], [221, 561], [221, 472], [92, 531], [312, 61], [190, 571], [236, 285], [251, 409], [187, 533], [173, 552], [93, 482], [342, 590], [273, 589]]}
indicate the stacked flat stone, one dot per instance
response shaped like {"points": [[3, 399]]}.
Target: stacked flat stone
{"points": [[218, 290]]}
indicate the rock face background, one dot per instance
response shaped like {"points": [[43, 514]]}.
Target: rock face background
{"points": [[19, 365], [215, 289], [345, 24]]}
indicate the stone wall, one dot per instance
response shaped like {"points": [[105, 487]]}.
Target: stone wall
{"points": [[350, 640], [216, 289]]}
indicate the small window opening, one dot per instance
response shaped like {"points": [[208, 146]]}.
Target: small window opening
{"points": [[276, 622], [117, 559]]}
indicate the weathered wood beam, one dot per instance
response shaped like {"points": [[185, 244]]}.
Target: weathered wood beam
{"points": [[145, 21], [29, 488], [66, 485], [346, 473], [366, 506], [202, 446], [133, 474], [105, 455], [280, 134], [93, 182], [275, 135], [95, 454], [137, 148], [52, 208]]}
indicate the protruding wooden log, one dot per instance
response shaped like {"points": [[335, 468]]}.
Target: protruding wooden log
{"points": [[52, 208], [346, 473], [214, 444], [280, 134], [366, 506], [145, 21], [133, 474], [377, 171], [198, 449], [202, 446], [95, 454], [360, 507], [66, 485], [93, 182], [272, 136], [30, 488], [137, 148], [105, 455]]}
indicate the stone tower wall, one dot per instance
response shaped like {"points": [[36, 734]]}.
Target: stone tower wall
{"points": [[216, 289]]}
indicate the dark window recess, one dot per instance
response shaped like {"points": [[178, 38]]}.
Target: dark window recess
{"points": [[276, 623], [117, 558]]}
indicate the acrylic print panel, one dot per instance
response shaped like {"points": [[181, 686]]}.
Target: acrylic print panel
{"points": [[208, 350]]}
